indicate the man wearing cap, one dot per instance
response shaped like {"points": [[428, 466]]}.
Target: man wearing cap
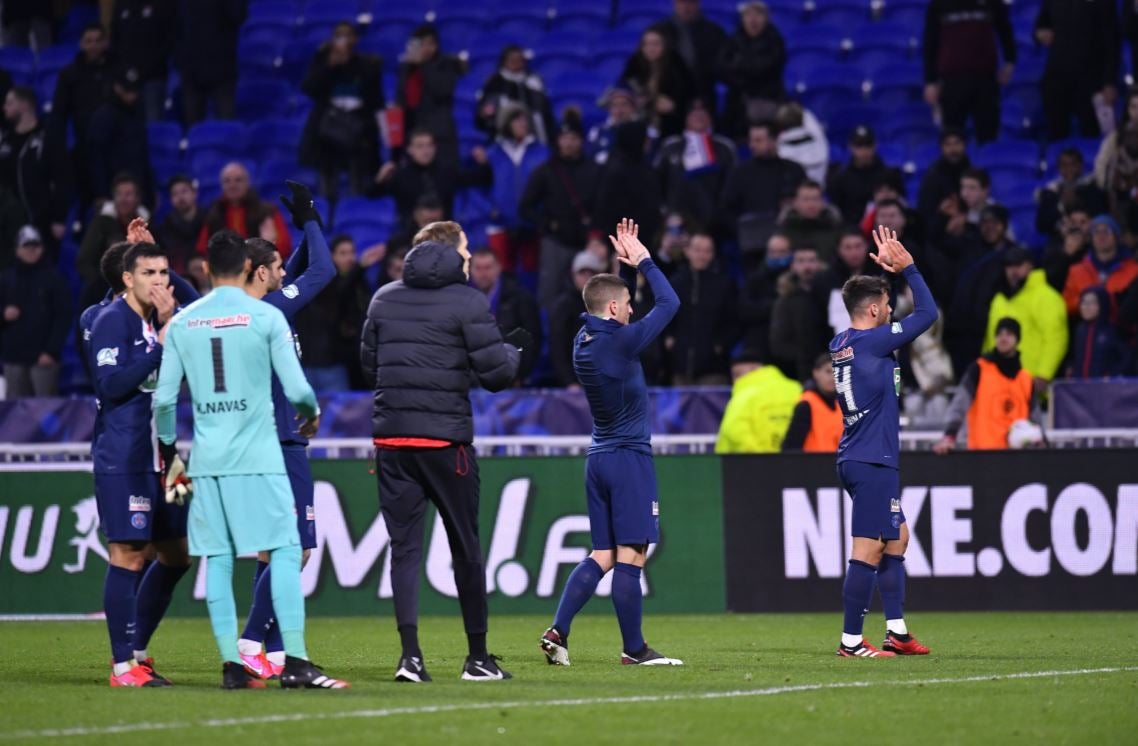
{"points": [[851, 188], [565, 318], [996, 391], [1106, 264], [35, 315]]}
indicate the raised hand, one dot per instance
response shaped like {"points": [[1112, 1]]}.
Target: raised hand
{"points": [[162, 298], [891, 254], [137, 232], [626, 242]]}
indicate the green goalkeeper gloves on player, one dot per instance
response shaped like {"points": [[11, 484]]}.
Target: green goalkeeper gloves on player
{"points": [[175, 481]]}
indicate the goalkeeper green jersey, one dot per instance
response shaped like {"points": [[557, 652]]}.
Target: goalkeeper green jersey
{"points": [[227, 345]]}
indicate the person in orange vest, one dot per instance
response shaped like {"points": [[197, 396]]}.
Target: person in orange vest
{"points": [[816, 425], [996, 391]]}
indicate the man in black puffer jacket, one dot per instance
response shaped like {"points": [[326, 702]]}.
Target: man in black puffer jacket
{"points": [[426, 340]]}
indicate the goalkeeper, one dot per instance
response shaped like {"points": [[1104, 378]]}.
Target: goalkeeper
{"points": [[228, 345]]}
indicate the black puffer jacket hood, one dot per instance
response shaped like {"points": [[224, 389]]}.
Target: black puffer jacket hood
{"points": [[433, 265]]}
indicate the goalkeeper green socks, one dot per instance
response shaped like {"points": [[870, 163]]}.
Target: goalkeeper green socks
{"points": [[222, 607], [288, 599]]}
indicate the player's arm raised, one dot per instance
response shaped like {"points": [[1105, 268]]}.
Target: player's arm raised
{"points": [[310, 268], [634, 338], [894, 258]]}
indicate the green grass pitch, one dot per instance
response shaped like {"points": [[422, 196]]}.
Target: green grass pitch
{"points": [[992, 678]]}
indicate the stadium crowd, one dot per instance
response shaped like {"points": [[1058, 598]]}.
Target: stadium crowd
{"points": [[731, 134]]}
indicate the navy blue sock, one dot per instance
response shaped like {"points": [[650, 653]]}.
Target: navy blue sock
{"points": [[628, 602], [261, 612], [142, 573], [891, 582], [118, 605], [580, 587], [154, 594], [856, 594]]}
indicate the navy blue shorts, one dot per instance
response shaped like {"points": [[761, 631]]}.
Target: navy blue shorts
{"points": [[623, 506], [300, 479], [133, 508], [876, 493]]}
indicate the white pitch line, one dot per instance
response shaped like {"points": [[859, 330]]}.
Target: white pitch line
{"points": [[515, 705]]}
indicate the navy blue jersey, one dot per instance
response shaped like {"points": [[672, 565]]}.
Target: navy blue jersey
{"points": [[308, 271], [868, 380], [606, 360], [124, 357]]}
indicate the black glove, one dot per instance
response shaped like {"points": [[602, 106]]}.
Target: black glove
{"points": [[523, 340], [301, 207]]}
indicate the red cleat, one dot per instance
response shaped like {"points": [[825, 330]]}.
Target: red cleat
{"points": [[863, 650], [148, 664], [136, 676], [903, 645]]}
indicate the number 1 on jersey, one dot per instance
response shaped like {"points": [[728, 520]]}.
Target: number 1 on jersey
{"points": [[218, 365], [843, 383]]}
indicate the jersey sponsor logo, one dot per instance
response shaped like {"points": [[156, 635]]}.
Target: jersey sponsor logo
{"points": [[896, 328], [138, 503], [221, 407], [895, 505], [86, 335], [843, 355], [310, 512], [220, 322], [107, 356], [852, 420], [655, 507], [138, 520], [290, 291], [897, 380]]}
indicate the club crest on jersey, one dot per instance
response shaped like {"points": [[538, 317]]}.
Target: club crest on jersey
{"points": [[843, 355], [290, 291], [139, 503], [138, 520], [107, 356], [221, 322], [896, 328]]}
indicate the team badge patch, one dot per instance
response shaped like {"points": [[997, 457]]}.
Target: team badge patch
{"points": [[309, 513], [107, 356], [138, 520], [896, 328], [290, 291]]}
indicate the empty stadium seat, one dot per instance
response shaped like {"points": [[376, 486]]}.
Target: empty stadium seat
{"points": [[842, 17], [832, 40], [20, 63], [216, 135], [259, 98], [357, 210], [164, 139], [274, 138], [330, 11], [1007, 153]]}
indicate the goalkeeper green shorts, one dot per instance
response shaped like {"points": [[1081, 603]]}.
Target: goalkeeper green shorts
{"points": [[241, 514]]}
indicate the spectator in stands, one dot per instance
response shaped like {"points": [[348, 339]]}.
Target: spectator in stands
{"points": [[94, 95], [143, 33], [329, 327], [698, 42], [751, 65], [26, 23], [427, 79], [1106, 264], [514, 83], [35, 167], [799, 328], [701, 335], [851, 186], [1082, 62], [694, 166], [629, 187], [816, 424], [1108, 150], [1120, 176], [424, 171], [761, 406], [511, 305], [759, 188], [240, 210], [207, 56], [36, 303], [341, 133], [1025, 296], [852, 259], [565, 318], [961, 61], [995, 391], [178, 232], [620, 102], [942, 179], [660, 81], [428, 209], [513, 157], [1069, 247], [198, 275], [890, 187], [1072, 188], [560, 198], [809, 221], [760, 293], [975, 193], [393, 266], [1098, 350], [801, 139], [11, 220], [108, 227], [893, 214]]}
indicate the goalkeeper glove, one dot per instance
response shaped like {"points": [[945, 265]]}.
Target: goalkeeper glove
{"points": [[175, 482], [301, 206]]}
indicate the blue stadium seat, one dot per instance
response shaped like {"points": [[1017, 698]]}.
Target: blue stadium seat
{"points": [[216, 136], [262, 55], [365, 234], [330, 11], [472, 206], [615, 40], [274, 33], [1015, 193], [1089, 147], [274, 11], [578, 18], [259, 98], [54, 58], [1017, 122], [832, 40], [551, 68], [20, 64], [521, 28], [887, 36], [582, 84], [847, 118], [843, 17], [272, 174], [1029, 70], [165, 168], [274, 138], [359, 210], [164, 139], [912, 16], [806, 66], [1010, 153], [309, 37], [811, 78], [77, 18], [388, 41], [556, 45], [892, 153]]}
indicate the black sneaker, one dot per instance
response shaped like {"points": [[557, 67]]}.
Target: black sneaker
{"points": [[301, 674], [648, 657], [234, 676], [484, 670], [148, 664], [555, 647], [412, 670]]}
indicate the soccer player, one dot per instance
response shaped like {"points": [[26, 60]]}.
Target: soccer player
{"points": [[125, 350], [868, 383], [227, 346], [620, 479], [311, 268]]}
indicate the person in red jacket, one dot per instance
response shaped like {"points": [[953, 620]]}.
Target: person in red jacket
{"points": [[240, 210], [1106, 264]]}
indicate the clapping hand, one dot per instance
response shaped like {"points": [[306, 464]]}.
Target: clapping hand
{"points": [[137, 232], [627, 243], [891, 254]]}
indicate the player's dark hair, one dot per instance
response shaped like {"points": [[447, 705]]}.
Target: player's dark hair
{"points": [[25, 94], [110, 266], [226, 253], [600, 289], [978, 175], [261, 254], [138, 251], [861, 290], [442, 231]]}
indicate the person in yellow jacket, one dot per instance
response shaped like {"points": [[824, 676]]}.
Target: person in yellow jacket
{"points": [[1025, 295], [762, 402], [816, 426]]}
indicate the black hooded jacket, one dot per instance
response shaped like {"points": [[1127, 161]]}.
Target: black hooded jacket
{"points": [[427, 339]]}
